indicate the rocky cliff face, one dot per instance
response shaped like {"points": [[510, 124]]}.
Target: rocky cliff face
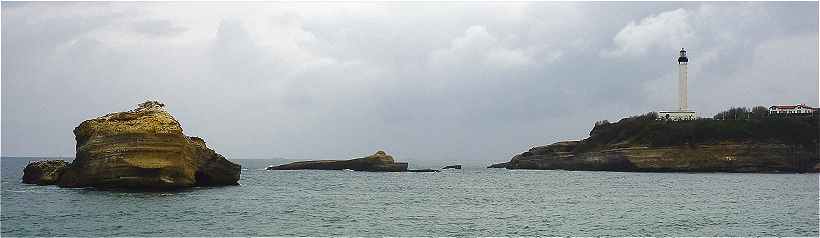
{"points": [[143, 148], [640, 145], [378, 162], [734, 157], [212, 168]]}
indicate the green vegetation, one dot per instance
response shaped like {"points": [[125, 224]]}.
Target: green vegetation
{"points": [[733, 125]]}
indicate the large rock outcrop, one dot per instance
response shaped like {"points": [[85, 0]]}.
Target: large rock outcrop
{"points": [[378, 162], [727, 157], [44, 172], [643, 144], [143, 148]]}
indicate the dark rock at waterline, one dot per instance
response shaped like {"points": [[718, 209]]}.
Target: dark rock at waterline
{"points": [[499, 165], [378, 162], [212, 168], [45, 172], [423, 170], [458, 166], [143, 149]]}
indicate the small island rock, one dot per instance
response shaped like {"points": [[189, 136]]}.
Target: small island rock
{"points": [[378, 162], [45, 172], [457, 166], [142, 148], [423, 170]]}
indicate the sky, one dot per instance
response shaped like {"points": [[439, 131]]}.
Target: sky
{"points": [[460, 82]]}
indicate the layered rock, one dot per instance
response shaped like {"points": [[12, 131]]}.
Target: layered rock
{"points": [[143, 148], [45, 172], [378, 162], [643, 144], [212, 168], [729, 157]]}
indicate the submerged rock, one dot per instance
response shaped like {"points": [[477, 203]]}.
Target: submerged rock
{"points": [[143, 148], [378, 162], [45, 172]]}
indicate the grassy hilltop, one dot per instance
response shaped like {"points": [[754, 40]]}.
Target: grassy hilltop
{"points": [[736, 125]]}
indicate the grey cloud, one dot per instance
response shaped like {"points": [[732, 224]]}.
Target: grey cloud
{"points": [[423, 81], [157, 28]]}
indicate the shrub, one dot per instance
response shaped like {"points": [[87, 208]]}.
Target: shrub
{"points": [[760, 112], [735, 113]]}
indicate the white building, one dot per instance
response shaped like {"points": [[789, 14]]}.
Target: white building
{"points": [[791, 109], [683, 112], [676, 115]]}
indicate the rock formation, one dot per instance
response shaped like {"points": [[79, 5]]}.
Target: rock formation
{"points": [[143, 148], [728, 157], [45, 172], [423, 170], [457, 166], [378, 162], [643, 144], [499, 165]]}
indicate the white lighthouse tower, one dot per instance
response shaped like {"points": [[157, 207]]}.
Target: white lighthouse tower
{"points": [[683, 63], [683, 112]]}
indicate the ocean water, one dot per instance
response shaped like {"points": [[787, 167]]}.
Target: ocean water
{"points": [[469, 202]]}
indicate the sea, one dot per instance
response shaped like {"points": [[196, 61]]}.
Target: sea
{"points": [[470, 202]]}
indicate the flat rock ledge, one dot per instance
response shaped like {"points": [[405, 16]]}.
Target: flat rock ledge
{"points": [[378, 162], [456, 166]]}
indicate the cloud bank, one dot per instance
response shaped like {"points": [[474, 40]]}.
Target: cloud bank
{"points": [[423, 81]]}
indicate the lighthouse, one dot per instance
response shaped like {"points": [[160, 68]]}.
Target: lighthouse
{"points": [[683, 63], [683, 112]]}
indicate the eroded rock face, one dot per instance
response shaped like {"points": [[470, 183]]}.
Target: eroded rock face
{"points": [[642, 143], [213, 168], [378, 162], [45, 172], [728, 157], [143, 148]]}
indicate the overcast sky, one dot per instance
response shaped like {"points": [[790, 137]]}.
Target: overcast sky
{"points": [[428, 82]]}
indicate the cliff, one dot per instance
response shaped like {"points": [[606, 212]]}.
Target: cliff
{"points": [[143, 148], [647, 145]]}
